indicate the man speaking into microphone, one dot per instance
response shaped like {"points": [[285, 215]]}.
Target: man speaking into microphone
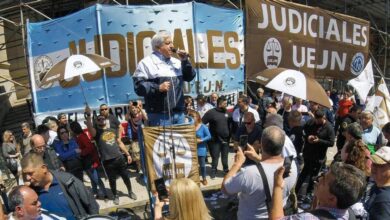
{"points": [[159, 79]]}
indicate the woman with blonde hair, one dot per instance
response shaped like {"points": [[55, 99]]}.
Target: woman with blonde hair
{"points": [[11, 153], [186, 202]]}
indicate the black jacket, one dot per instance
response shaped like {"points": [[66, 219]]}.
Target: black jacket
{"points": [[80, 200], [325, 133], [219, 123]]}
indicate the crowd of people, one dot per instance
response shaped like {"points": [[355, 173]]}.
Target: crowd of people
{"points": [[352, 184], [54, 158], [268, 133]]}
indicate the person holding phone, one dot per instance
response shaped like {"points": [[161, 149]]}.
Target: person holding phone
{"points": [[248, 181], [185, 202], [111, 155], [253, 133], [319, 135], [135, 118]]}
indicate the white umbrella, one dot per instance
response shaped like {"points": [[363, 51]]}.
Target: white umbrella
{"points": [[294, 83], [76, 65]]}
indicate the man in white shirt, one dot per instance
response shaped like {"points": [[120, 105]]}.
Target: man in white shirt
{"points": [[243, 106], [202, 106]]}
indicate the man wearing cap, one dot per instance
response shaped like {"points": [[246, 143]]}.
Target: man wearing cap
{"points": [[378, 205], [62, 120], [202, 106]]}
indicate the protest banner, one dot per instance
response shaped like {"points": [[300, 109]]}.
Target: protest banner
{"points": [[160, 142], [314, 41], [212, 36]]}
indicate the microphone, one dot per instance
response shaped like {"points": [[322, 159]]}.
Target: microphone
{"points": [[175, 50]]}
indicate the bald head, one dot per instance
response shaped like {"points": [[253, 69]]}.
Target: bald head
{"points": [[38, 143]]}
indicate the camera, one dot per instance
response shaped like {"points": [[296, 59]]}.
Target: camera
{"points": [[161, 188], [243, 142]]}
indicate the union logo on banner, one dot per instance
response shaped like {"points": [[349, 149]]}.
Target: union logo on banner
{"points": [[170, 153]]}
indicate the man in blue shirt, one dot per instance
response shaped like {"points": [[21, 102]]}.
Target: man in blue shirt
{"points": [[60, 193]]}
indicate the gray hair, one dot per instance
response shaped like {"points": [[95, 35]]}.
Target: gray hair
{"points": [[272, 140], [51, 124], [159, 38], [15, 197], [367, 113], [274, 120], [25, 125]]}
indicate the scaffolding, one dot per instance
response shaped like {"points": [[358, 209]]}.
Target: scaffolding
{"points": [[13, 16]]}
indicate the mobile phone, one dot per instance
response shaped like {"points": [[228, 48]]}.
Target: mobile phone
{"points": [[135, 103], [243, 142], [287, 166], [161, 188]]}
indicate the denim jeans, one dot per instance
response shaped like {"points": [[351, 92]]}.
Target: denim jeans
{"points": [[161, 119], [96, 181], [217, 147], [202, 166]]}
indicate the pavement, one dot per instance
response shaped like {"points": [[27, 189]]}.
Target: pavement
{"points": [[141, 192]]}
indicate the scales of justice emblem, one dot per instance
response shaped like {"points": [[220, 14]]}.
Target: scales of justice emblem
{"points": [[164, 162]]}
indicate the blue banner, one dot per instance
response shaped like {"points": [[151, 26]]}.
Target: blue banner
{"points": [[213, 36]]}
